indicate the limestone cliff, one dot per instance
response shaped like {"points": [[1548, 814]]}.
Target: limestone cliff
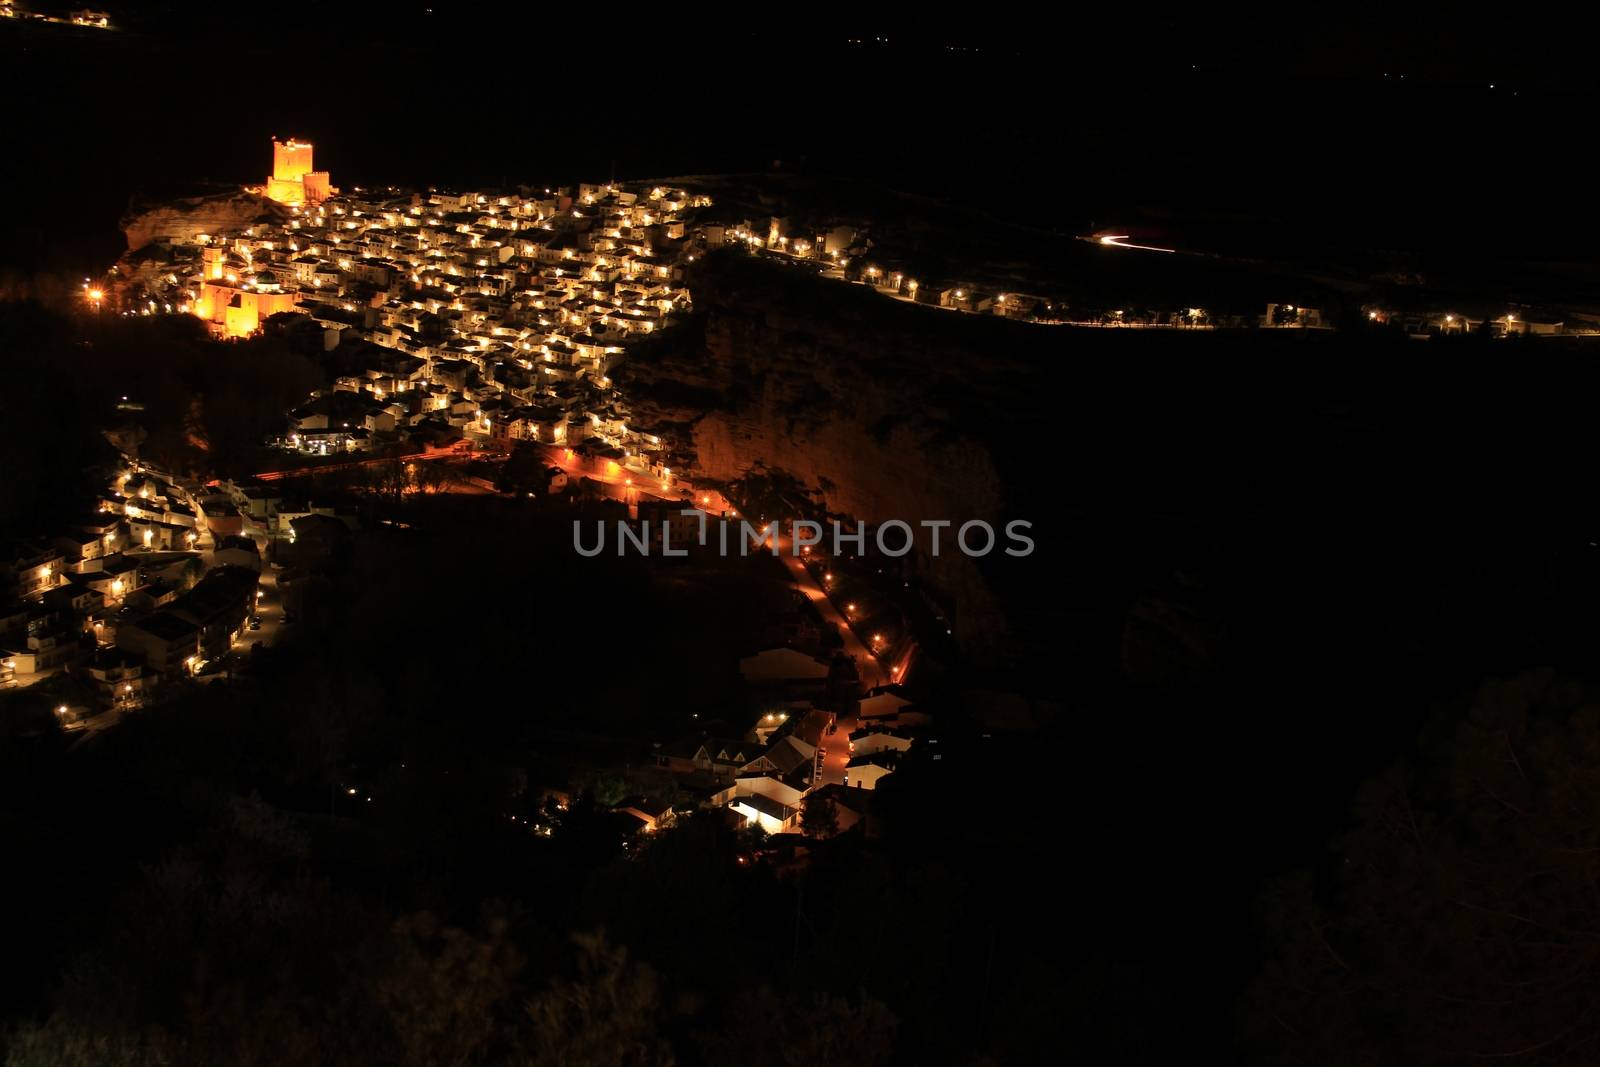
{"points": [[181, 220], [885, 410]]}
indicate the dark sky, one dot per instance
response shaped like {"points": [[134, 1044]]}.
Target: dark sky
{"points": [[1518, 44], [1275, 114]]}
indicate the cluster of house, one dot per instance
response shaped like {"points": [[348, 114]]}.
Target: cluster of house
{"points": [[1515, 323], [492, 316], [765, 777], [847, 252], [90, 17], [160, 581]]}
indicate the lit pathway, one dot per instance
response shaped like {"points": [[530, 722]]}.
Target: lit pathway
{"points": [[871, 672], [837, 749]]}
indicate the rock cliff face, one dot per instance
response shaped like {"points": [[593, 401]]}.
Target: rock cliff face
{"points": [[886, 411], [183, 219]]}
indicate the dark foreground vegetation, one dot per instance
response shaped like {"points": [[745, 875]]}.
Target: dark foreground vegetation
{"points": [[1284, 578]]}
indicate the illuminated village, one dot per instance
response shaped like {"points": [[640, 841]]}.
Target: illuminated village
{"points": [[503, 313], [487, 321], [496, 320], [535, 295], [85, 17], [141, 593]]}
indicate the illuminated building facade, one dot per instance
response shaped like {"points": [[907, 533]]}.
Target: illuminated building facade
{"points": [[237, 309], [294, 179]]}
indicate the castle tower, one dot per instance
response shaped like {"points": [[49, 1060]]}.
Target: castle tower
{"points": [[213, 256], [291, 160], [293, 181]]}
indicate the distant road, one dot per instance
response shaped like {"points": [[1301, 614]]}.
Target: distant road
{"points": [[455, 450]]}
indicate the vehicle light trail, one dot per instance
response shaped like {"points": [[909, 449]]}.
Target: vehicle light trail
{"points": [[1120, 240]]}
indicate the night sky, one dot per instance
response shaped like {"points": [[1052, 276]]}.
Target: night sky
{"points": [[1363, 124]]}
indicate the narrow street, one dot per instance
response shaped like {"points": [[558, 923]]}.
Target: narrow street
{"points": [[837, 751], [871, 672]]}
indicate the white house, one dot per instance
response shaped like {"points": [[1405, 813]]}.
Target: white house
{"points": [[883, 703], [866, 741], [766, 813], [864, 772]]}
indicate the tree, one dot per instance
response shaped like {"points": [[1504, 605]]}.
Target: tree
{"points": [[768, 1031], [1460, 921], [440, 988], [191, 573], [524, 470], [819, 817], [435, 477], [605, 1017], [391, 477]]}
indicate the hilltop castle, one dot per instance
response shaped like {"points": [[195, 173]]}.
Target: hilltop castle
{"points": [[293, 181]]}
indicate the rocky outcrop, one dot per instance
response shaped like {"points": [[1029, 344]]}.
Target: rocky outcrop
{"points": [[883, 410], [182, 220]]}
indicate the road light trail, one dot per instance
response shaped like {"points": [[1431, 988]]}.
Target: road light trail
{"points": [[1120, 240]]}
